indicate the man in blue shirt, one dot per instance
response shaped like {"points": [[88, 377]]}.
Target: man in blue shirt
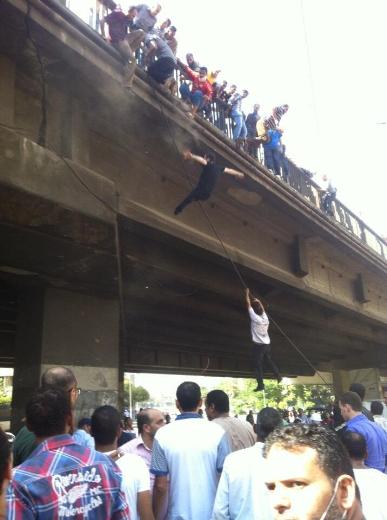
{"points": [[187, 459], [274, 157], [375, 436]]}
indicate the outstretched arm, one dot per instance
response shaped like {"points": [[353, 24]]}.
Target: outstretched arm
{"points": [[235, 173], [188, 156], [256, 300], [248, 301]]}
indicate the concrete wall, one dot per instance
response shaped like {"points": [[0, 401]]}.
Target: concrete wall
{"points": [[78, 331]]}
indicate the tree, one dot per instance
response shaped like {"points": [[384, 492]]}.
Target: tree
{"points": [[139, 394], [243, 398]]}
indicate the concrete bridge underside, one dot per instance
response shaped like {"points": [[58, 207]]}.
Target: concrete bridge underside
{"points": [[102, 185]]}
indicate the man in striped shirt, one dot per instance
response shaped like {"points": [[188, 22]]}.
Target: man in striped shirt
{"points": [[62, 479]]}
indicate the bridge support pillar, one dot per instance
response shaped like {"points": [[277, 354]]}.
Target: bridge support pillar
{"points": [[7, 91], [369, 377], [79, 331]]}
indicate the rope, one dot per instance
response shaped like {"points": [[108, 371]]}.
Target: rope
{"points": [[237, 271]]}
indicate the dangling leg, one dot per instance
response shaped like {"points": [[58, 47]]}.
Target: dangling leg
{"points": [[190, 198], [267, 357], [258, 353]]}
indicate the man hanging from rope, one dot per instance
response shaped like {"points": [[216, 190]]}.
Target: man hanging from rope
{"points": [[261, 340], [208, 178]]}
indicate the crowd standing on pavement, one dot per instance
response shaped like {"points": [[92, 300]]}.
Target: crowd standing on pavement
{"points": [[200, 466], [142, 38]]}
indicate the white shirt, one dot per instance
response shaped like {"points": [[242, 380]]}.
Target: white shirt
{"points": [[191, 451], [373, 490], [242, 494], [259, 327], [382, 421], [135, 479]]}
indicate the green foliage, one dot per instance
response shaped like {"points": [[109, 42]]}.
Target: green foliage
{"points": [[139, 394], [5, 401], [243, 398]]}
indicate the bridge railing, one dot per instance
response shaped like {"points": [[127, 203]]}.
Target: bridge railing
{"points": [[91, 11]]}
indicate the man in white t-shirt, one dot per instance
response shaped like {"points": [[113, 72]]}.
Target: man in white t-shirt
{"points": [[377, 412], [191, 452], [259, 323], [372, 483], [106, 429]]}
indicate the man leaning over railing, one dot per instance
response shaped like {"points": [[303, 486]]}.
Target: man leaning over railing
{"points": [[126, 43]]}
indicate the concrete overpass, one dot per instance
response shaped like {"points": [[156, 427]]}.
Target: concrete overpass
{"points": [[90, 173]]}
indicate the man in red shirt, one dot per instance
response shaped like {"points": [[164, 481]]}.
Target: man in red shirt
{"points": [[201, 91]]}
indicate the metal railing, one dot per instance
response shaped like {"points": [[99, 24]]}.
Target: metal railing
{"points": [[298, 178]]}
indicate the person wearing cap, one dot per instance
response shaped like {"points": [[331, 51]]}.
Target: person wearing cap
{"points": [[259, 324], [82, 433]]}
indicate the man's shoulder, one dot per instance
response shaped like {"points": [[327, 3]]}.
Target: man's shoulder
{"points": [[130, 461], [241, 458], [370, 475], [70, 457]]}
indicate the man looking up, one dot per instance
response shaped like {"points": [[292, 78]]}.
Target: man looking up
{"points": [[54, 377], [240, 434], [242, 493], [149, 421], [375, 436], [191, 452], [259, 324], [106, 428], [309, 475], [63, 479], [208, 178], [372, 483]]}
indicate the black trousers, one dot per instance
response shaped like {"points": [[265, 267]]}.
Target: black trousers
{"points": [[161, 69], [195, 195], [261, 353]]}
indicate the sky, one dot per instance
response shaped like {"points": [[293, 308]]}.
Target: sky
{"points": [[325, 58]]}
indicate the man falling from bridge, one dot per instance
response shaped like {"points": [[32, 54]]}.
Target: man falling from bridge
{"points": [[208, 178], [259, 323]]}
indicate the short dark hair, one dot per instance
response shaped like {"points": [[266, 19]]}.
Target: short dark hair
{"points": [[257, 307], [188, 394], [352, 399], [58, 377], [203, 69], [47, 412], [173, 28], [355, 444], [5, 455], [359, 389], [210, 156], [105, 424], [85, 421], [268, 419], [376, 408], [219, 399], [332, 457]]}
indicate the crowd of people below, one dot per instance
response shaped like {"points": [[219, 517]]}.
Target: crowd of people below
{"points": [[139, 38], [193, 468]]}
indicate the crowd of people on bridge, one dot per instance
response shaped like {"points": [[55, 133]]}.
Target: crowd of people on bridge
{"points": [[193, 468], [140, 38]]}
